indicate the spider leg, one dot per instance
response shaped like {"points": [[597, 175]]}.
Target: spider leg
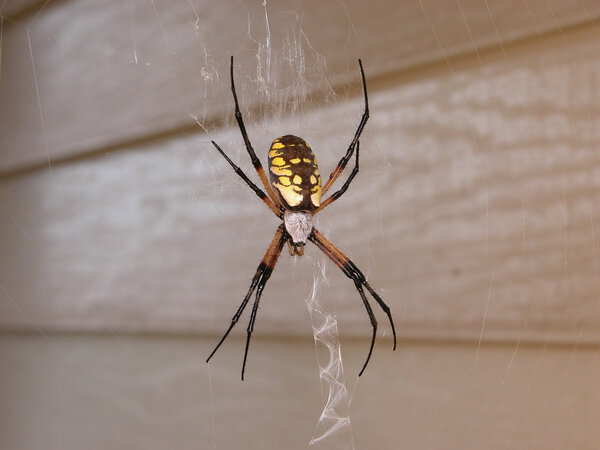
{"points": [[263, 272], [259, 289], [255, 161], [359, 279], [333, 197], [258, 191], [363, 121]]}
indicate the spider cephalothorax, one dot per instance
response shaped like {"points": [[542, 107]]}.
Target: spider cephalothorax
{"points": [[294, 195], [298, 225]]}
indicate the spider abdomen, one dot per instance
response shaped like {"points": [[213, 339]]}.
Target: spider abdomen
{"points": [[294, 174]]}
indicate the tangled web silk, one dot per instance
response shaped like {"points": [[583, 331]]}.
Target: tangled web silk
{"points": [[333, 429]]}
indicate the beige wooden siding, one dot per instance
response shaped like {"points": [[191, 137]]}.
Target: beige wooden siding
{"points": [[474, 213], [127, 242], [150, 392], [112, 72]]}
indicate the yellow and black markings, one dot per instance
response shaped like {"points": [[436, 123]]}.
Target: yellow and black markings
{"points": [[294, 174]]}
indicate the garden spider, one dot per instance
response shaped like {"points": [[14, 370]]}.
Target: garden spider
{"points": [[296, 197]]}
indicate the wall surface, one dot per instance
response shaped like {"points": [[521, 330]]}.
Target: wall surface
{"points": [[99, 392], [127, 242]]}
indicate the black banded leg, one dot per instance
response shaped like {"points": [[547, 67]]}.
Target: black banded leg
{"points": [[261, 286], [236, 316], [265, 268], [255, 161], [386, 309], [273, 206], [344, 188], [373, 323], [359, 279], [363, 121]]}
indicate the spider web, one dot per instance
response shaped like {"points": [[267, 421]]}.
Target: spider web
{"points": [[285, 106], [292, 55], [334, 429]]}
